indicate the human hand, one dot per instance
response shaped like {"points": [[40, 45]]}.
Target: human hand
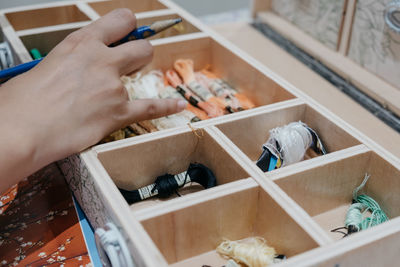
{"points": [[74, 97]]}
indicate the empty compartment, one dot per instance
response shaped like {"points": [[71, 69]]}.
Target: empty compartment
{"points": [[36, 18], [103, 7], [225, 64], [189, 236], [133, 167], [250, 133], [45, 42], [325, 192]]}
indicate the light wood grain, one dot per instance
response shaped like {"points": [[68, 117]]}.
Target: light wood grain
{"points": [[200, 228], [250, 133], [141, 164], [35, 18], [323, 190], [103, 7]]}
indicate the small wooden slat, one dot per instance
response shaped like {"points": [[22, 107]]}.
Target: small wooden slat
{"points": [[88, 10], [259, 6], [347, 25], [194, 199], [54, 28], [20, 53]]}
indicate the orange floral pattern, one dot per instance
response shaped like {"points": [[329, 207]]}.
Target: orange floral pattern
{"points": [[39, 225]]}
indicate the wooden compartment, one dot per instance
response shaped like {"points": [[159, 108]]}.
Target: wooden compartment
{"points": [[189, 236], [134, 166], [224, 63], [250, 133], [50, 16], [46, 40], [325, 192], [103, 7]]}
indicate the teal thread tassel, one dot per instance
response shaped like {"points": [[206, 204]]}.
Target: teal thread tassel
{"points": [[357, 218]]}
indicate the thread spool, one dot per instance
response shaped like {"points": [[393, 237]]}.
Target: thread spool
{"points": [[231, 103], [167, 184], [6, 56], [151, 85], [244, 101], [287, 145], [210, 110], [357, 218], [251, 252], [185, 69]]}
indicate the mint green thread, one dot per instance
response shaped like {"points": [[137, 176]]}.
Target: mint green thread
{"points": [[357, 214]]}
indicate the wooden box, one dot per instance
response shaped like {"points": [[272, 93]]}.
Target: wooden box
{"points": [[293, 208]]}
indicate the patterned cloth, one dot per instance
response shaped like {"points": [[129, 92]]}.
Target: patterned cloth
{"points": [[39, 225]]}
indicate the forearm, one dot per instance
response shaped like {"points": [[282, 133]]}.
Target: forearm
{"points": [[18, 156]]}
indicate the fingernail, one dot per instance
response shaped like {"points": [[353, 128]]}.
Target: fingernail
{"points": [[181, 104]]}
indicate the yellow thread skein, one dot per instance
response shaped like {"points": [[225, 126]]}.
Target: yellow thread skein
{"points": [[253, 252]]}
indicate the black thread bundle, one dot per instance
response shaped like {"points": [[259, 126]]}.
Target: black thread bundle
{"points": [[166, 184]]}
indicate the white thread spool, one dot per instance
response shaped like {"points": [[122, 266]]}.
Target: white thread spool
{"points": [[6, 57], [294, 140]]}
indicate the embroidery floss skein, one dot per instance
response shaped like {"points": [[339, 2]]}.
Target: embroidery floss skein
{"points": [[149, 86], [186, 70], [165, 185], [287, 145], [244, 101], [169, 92], [252, 252], [176, 82], [231, 103], [356, 217]]}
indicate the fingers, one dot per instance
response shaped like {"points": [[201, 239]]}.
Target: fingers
{"points": [[132, 55], [147, 109], [113, 26]]}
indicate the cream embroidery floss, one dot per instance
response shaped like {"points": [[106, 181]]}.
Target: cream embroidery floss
{"points": [[252, 252], [149, 86]]}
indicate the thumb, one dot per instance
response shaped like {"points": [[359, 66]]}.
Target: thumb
{"points": [[147, 109]]}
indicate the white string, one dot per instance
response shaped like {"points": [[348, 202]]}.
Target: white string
{"points": [[146, 86], [6, 57], [294, 139]]}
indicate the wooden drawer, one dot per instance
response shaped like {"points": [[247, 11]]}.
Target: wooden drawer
{"points": [[280, 205]]}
